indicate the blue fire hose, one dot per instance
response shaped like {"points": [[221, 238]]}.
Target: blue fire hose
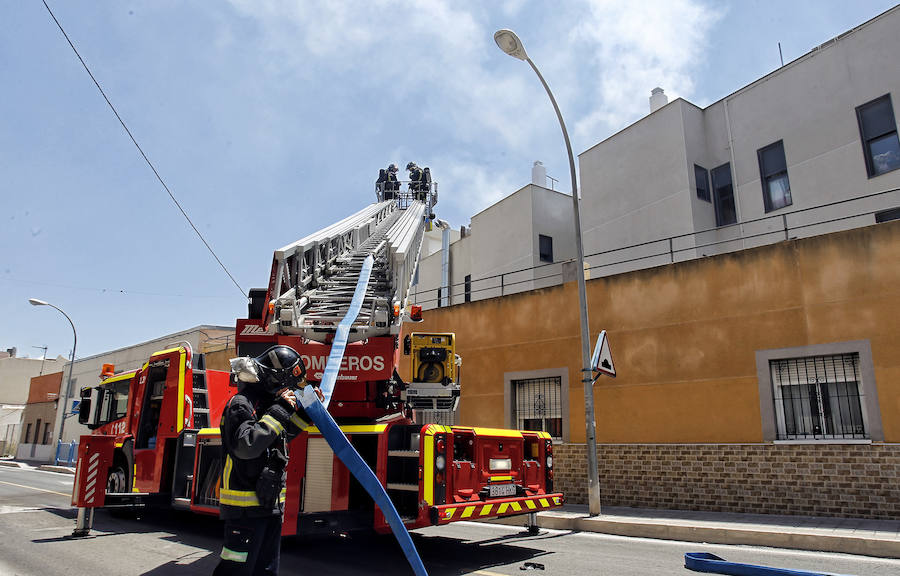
{"points": [[706, 562], [318, 412]]}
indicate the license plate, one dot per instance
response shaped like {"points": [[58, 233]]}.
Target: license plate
{"points": [[496, 490]]}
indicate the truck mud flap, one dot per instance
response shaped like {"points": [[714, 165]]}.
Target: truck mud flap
{"points": [[479, 510]]}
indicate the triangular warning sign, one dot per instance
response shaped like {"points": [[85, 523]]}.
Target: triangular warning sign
{"points": [[601, 360]]}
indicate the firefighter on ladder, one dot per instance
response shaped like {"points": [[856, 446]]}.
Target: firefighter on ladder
{"points": [[418, 183], [256, 426]]}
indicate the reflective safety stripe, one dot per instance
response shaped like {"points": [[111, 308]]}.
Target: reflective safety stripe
{"points": [[448, 513], [485, 510], [530, 504], [233, 556], [239, 498], [468, 511], [272, 423], [297, 421], [226, 476], [516, 506], [544, 503], [503, 508]]}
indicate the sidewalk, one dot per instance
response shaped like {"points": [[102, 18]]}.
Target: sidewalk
{"points": [[39, 465], [846, 535]]}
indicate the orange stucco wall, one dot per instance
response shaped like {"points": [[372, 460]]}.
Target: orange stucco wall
{"points": [[684, 336]]}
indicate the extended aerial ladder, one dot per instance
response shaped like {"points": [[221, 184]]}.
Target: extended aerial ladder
{"points": [[311, 285], [313, 279]]}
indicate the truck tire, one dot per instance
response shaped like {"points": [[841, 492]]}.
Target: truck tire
{"points": [[117, 480]]}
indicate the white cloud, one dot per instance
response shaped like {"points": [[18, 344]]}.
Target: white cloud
{"points": [[435, 65], [631, 48]]}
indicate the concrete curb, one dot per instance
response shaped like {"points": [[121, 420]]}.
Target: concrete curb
{"points": [[845, 542], [10, 464], [60, 469]]}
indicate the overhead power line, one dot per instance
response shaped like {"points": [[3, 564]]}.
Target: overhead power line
{"points": [[138, 146]]}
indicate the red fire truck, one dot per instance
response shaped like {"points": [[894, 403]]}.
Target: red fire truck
{"points": [[155, 439]]}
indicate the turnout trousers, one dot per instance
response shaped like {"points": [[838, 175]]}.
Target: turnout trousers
{"points": [[252, 547]]}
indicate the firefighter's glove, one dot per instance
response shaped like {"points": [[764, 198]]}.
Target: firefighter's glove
{"points": [[291, 422], [268, 487]]}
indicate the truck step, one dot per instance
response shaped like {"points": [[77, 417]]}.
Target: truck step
{"points": [[404, 453], [404, 487]]}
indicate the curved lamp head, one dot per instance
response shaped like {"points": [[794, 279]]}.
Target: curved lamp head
{"points": [[36, 302], [510, 43]]}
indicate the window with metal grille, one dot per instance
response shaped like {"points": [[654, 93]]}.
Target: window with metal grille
{"points": [[468, 288], [538, 405], [818, 397]]}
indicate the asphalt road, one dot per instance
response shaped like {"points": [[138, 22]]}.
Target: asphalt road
{"points": [[36, 520]]}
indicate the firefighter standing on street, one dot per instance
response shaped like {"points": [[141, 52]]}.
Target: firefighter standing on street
{"points": [[256, 425]]}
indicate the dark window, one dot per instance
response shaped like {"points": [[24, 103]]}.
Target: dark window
{"points": [[546, 248], [46, 433], [28, 433], [37, 432], [818, 397], [774, 177], [878, 132], [701, 175], [724, 195], [468, 286], [887, 215], [439, 297]]}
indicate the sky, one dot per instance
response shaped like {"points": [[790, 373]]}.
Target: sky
{"points": [[269, 120]]}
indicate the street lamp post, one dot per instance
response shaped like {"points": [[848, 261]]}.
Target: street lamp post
{"points": [[510, 44], [65, 400]]}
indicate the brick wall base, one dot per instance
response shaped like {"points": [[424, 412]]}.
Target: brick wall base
{"points": [[838, 480]]}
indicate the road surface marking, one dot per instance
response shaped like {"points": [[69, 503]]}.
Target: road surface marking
{"points": [[38, 489]]}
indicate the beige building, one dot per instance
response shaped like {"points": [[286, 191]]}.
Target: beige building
{"points": [[86, 371], [37, 442], [15, 377]]}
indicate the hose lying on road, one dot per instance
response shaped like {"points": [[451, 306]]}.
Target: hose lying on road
{"points": [[706, 562]]}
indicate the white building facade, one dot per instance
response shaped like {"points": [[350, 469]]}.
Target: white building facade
{"points": [[810, 148], [515, 245]]}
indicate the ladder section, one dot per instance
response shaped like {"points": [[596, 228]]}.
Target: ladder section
{"points": [[314, 278], [200, 400]]}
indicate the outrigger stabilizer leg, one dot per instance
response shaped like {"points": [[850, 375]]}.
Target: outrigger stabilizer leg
{"points": [[84, 520]]}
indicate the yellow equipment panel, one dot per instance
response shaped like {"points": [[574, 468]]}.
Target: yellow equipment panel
{"points": [[433, 357]]}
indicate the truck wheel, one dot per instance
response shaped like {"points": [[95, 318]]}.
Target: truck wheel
{"points": [[115, 482]]}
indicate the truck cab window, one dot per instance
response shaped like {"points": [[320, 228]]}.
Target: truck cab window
{"points": [[153, 399]]}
